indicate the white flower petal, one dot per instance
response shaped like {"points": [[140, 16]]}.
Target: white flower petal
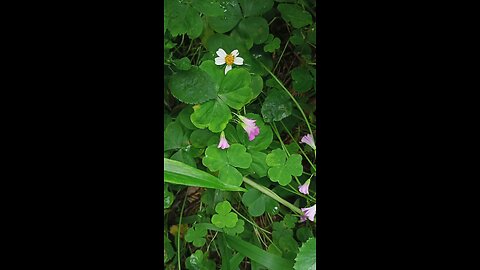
{"points": [[221, 53], [234, 53], [238, 61], [219, 61], [227, 69]]}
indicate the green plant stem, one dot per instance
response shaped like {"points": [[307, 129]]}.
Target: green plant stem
{"points": [[289, 94], [253, 224], [281, 55], [179, 230], [305, 155], [272, 195]]}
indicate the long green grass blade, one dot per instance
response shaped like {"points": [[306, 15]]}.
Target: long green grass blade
{"points": [[271, 261], [179, 173]]}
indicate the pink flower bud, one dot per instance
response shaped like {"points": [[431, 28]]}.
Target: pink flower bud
{"points": [[308, 139], [304, 188], [223, 142], [250, 127]]}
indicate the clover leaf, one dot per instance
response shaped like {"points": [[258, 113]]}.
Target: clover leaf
{"points": [[294, 14], [197, 236], [235, 230], [257, 203], [225, 162], [224, 218], [281, 171], [199, 261]]}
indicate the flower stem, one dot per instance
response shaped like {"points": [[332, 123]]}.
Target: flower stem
{"points": [[272, 195], [311, 164]]}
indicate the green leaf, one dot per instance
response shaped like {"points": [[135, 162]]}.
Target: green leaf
{"points": [[194, 23], [256, 85], [281, 171], [184, 117], [173, 136], [200, 137], [215, 72], [197, 236], [176, 172], [259, 165], [183, 156], [259, 255], [231, 16], [239, 228], [215, 158], [255, 7], [176, 12], [302, 79], [277, 106], [209, 8], [254, 27], [238, 157], [273, 45], [224, 161], [217, 41], [257, 202], [303, 233], [168, 252], [294, 14], [192, 86], [276, 158], [213, 114], [198, 261], [183, 63], [307, 256], [224, 218], [235, 89], [231, 176]]}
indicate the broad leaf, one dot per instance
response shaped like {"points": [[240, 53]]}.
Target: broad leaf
{"points": [[307, 256], [276, 106], [294, 14], [235, 88], [254, 27], [231, 16], [213, 114], [192, 86], [255, 7]]}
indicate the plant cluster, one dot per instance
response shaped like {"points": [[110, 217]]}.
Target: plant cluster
{"points": [[239, 134]]}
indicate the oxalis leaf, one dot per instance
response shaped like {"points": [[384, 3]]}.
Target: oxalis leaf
{"points": [[257, 202], [213, 114], [224, 218], [282, 171], [197, 236], [226, 160], [294, 14], [192, 86], [307, 256]]}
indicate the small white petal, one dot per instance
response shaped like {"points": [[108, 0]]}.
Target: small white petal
{"points": [[221, 53], [238, 61], [227, 69], [234, 53], [219, 61]]}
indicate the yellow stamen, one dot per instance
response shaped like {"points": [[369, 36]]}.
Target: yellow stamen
{"points": [[229, 59]]}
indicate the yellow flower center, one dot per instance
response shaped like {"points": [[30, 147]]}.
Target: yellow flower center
{"points": [[229, 59]]}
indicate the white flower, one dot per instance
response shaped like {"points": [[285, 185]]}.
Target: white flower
{"points": [[229, 59]]}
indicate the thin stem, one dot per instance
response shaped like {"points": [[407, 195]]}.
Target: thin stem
{"points": [[284, 147], [272, 195], [281, 55], [253, 224], [179, 229], [288, 92], [208, 247]]}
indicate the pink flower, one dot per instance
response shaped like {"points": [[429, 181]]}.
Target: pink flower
{"points": [[304, 188], [308, 139], [223, 142], [250, 127], [308, 213]]}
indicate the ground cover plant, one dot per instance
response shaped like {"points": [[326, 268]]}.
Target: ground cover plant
{"points": [[239, 134]]}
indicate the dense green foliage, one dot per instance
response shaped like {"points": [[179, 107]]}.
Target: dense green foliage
{"points": [[239, 96]]}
